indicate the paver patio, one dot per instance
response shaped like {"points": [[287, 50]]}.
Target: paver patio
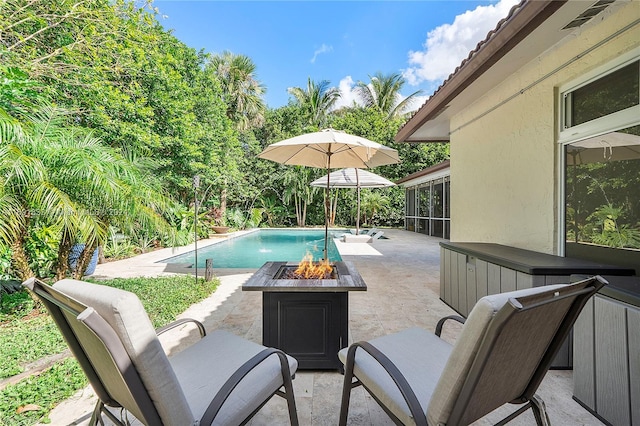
{"points": [[402, 275]]}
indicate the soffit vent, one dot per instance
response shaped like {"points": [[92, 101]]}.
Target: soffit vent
{"points": [[588, 14]]}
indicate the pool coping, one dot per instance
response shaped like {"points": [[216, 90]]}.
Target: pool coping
{"points": [[151, 263], [243, 233]]}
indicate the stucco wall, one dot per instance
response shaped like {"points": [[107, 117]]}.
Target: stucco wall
{"points": [[504, 184]]}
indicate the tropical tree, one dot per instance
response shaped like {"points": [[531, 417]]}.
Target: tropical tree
{"points": [[316, 101], [242, 91], [63, 177], [372, 203], [273, 210], [297, 189], [39, 35], [382, 93]]}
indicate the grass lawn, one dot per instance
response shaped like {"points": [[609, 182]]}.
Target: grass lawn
{"points": [[28, 334]]}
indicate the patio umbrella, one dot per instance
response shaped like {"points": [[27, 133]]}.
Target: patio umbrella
{"points": [[354, 178], [614, 146], [326, 149]]}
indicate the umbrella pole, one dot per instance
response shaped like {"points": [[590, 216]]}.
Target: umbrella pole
{"points": [[326, 210], [358, 210]]}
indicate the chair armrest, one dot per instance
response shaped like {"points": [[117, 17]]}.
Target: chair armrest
{"points": [[180, 322], [409, 396], [233, 381], [443, 320]]}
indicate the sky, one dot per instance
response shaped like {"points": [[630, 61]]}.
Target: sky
{"points": [[340, 41]]}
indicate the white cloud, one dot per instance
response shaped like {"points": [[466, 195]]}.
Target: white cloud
{"points": [[447, 45], [347, 93], [323, 49]]}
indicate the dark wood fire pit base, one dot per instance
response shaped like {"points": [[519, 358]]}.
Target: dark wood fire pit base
{"points": [[308, 319]]}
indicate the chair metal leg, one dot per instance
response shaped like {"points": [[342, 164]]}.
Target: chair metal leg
{"points": [[291, 401], [97, 414], [346, 390], [513, 415], [540, 411]]}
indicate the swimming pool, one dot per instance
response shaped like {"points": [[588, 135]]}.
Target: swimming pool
{"points": [[266, 245]]}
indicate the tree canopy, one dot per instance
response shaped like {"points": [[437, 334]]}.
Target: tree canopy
{"points": [[134, 114]]}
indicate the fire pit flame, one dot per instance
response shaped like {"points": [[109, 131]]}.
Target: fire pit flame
{"points": [[308, 269]]}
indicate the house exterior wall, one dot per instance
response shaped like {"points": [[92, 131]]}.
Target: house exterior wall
{"points": [[505, 165]]}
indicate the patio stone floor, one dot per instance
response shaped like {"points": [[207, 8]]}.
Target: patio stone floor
{"points": [[402, 275]]}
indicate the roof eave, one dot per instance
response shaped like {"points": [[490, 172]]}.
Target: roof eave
{"points": [[523, 19], [420, 173]]}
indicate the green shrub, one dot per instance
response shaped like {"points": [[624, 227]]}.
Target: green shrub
{"points": [[5, 263], [42, 249], [15, 305]]}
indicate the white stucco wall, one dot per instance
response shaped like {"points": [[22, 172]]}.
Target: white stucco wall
{"points": [[504, 183]]}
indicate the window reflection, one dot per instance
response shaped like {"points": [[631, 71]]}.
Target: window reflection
{"points": [[614, 92], [603, 190]]}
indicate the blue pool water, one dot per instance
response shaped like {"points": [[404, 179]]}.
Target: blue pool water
{"points": [[265, 245]]}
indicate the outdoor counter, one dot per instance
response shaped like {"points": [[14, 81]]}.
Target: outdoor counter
{"points": [[308, 319], [534, 263], [470, 271]]}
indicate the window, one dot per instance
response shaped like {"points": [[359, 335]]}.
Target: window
{"points": [[600, 138], [427, 208], [612, 93], [411, 202], [424, 201], [603, 190], [603, 101], [438, 198]]}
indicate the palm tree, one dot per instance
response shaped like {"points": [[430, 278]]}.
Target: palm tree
{"points": [[65, 178], [241, 89], [316, 100], [383, 94], [372, 203], [296, 181]]}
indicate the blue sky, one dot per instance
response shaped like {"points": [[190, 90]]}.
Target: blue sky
{"points": [[340, 41]]}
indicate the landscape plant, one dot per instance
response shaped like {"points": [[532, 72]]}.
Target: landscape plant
{"points": [[62, 178]]}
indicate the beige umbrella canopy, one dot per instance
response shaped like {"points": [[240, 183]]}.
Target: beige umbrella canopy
{"points": [[354, 178], [614, 146], [328, 149]]}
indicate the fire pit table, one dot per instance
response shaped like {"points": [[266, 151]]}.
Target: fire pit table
{"points": [[306, 318]]}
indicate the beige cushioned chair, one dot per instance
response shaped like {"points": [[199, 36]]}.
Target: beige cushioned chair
{"points": [[221, 379], [502, 354]]}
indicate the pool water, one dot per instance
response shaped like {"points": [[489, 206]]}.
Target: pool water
{"points": [[265, 245]]}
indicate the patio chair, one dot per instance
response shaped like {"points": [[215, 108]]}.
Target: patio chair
{"points": [[221, 379], [501, 356], [376, 236], [371, 232]]}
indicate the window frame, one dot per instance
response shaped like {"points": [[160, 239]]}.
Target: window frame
{"points": [[599, 126]]}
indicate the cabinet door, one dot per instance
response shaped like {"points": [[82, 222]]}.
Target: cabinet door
{"points": [[612, 368], [311, 327]]}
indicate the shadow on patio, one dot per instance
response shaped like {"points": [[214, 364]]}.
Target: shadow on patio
{"points": [[403, 285]]}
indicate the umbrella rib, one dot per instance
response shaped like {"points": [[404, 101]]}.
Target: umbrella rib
{"points": [[302, 147]]}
